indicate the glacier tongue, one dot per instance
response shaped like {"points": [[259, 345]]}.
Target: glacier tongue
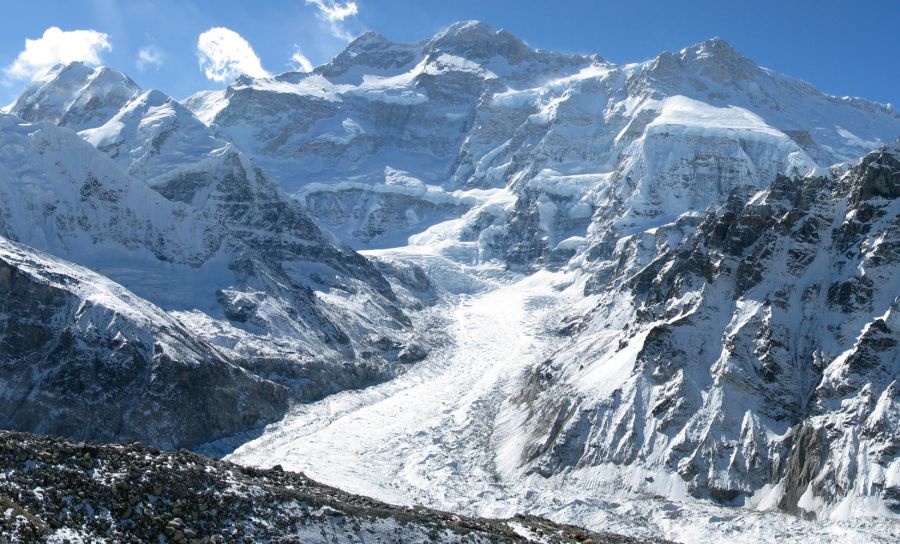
{"points": [[427, 436], [469, 428]]}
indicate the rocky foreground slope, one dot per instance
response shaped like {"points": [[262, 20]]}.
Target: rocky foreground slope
{"points": [[54, 490]]}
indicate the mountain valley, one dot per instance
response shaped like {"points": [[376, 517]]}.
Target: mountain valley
{"points": [[468, 275]]}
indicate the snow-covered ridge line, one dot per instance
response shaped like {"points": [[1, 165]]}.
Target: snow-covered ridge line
{"points": [[502, 113]]}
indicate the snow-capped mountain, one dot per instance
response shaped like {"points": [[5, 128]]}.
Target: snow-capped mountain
{"points": [[758, 358], [608, 171], [583, 143], [75, 96], [190, 223], [84, 357], [724, 266], [371, 139], [378, 103]]}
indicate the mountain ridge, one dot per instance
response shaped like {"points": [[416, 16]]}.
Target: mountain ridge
{"points": [[799, 280], [728, 261]]}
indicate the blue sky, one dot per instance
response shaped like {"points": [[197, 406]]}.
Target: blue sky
{"points": [[842, 47]]}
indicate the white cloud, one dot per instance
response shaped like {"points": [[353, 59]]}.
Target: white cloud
{"points": [[58, 46], [335, 12], [301, 63], [225, 54], [147, 56]]}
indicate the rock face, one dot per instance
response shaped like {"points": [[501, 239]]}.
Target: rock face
{"points": [[54, 489], [187, 221], [757, 355], [381, 217], [84, 357]]}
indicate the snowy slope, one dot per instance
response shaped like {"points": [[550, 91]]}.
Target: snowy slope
{"points": [[379, 107], [63, 196], [85, 358], [207, 235], [158, 141]]}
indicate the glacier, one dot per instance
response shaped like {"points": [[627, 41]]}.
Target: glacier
{"points": [[601, 177]]}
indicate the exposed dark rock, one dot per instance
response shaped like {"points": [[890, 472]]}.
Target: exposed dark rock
{"points": [[84, 358]]}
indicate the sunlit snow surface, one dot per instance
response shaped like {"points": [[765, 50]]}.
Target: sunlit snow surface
{"points": [[444, 434]]}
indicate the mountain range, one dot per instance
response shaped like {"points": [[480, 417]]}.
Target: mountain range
{"points": [[180, 272]]}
